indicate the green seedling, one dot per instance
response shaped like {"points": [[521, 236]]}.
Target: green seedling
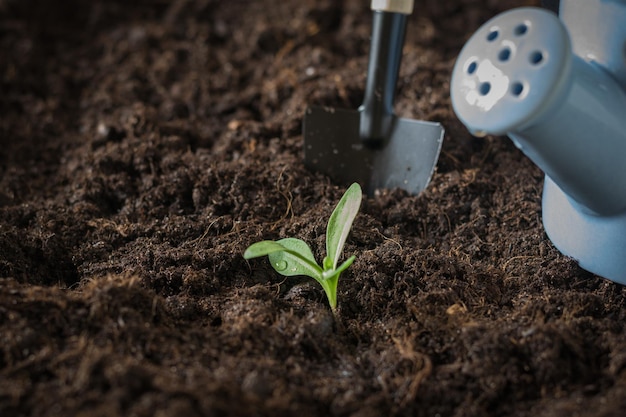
{"points": [[292, 257]]}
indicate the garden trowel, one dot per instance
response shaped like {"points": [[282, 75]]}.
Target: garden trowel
{"points": [[372, 145]]}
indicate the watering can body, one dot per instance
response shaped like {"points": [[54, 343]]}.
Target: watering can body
{"points": [[557, 87]]}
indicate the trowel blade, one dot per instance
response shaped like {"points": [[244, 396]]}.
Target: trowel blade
{"points": [[407, 159]]}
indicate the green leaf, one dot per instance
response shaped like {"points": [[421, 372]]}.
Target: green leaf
{"points": [[262, 248], [327, 264], [330, 273], [330, 280], [296, 258], [340, 222]]}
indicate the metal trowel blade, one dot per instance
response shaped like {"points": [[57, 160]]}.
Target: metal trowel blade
{"points": [[406, 159]]}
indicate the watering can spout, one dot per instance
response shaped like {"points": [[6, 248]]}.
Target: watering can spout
{"points": [[526, 74]]}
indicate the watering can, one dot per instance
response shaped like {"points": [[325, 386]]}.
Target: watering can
{"points": [[556, 85]]}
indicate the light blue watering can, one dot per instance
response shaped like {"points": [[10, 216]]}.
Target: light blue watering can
{"points": [[556, 85]]}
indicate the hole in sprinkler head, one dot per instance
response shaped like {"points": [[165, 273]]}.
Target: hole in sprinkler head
{"points": [[517, 89], [521, 29], [484, 88], [504, 54], [536, 57], [493, 34], [471, 68]]}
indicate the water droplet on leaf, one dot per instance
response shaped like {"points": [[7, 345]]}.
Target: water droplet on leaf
{"points": [[281, 265]]}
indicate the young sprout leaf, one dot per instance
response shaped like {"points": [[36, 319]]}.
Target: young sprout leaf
{"points": [[265, 247], [288, 257], [329, 273], [295, 259], [327, 264], [340, 222]]}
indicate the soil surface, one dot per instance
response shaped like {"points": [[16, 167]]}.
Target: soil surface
{"points": [[145, 144]]}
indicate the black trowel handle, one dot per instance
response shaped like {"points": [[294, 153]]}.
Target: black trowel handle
{"points": [[388, 30]]}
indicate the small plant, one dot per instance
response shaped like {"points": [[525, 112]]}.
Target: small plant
{"points": [[291, 257]]}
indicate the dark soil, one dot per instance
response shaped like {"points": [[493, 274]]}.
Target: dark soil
{"points": [[145, 144]]}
